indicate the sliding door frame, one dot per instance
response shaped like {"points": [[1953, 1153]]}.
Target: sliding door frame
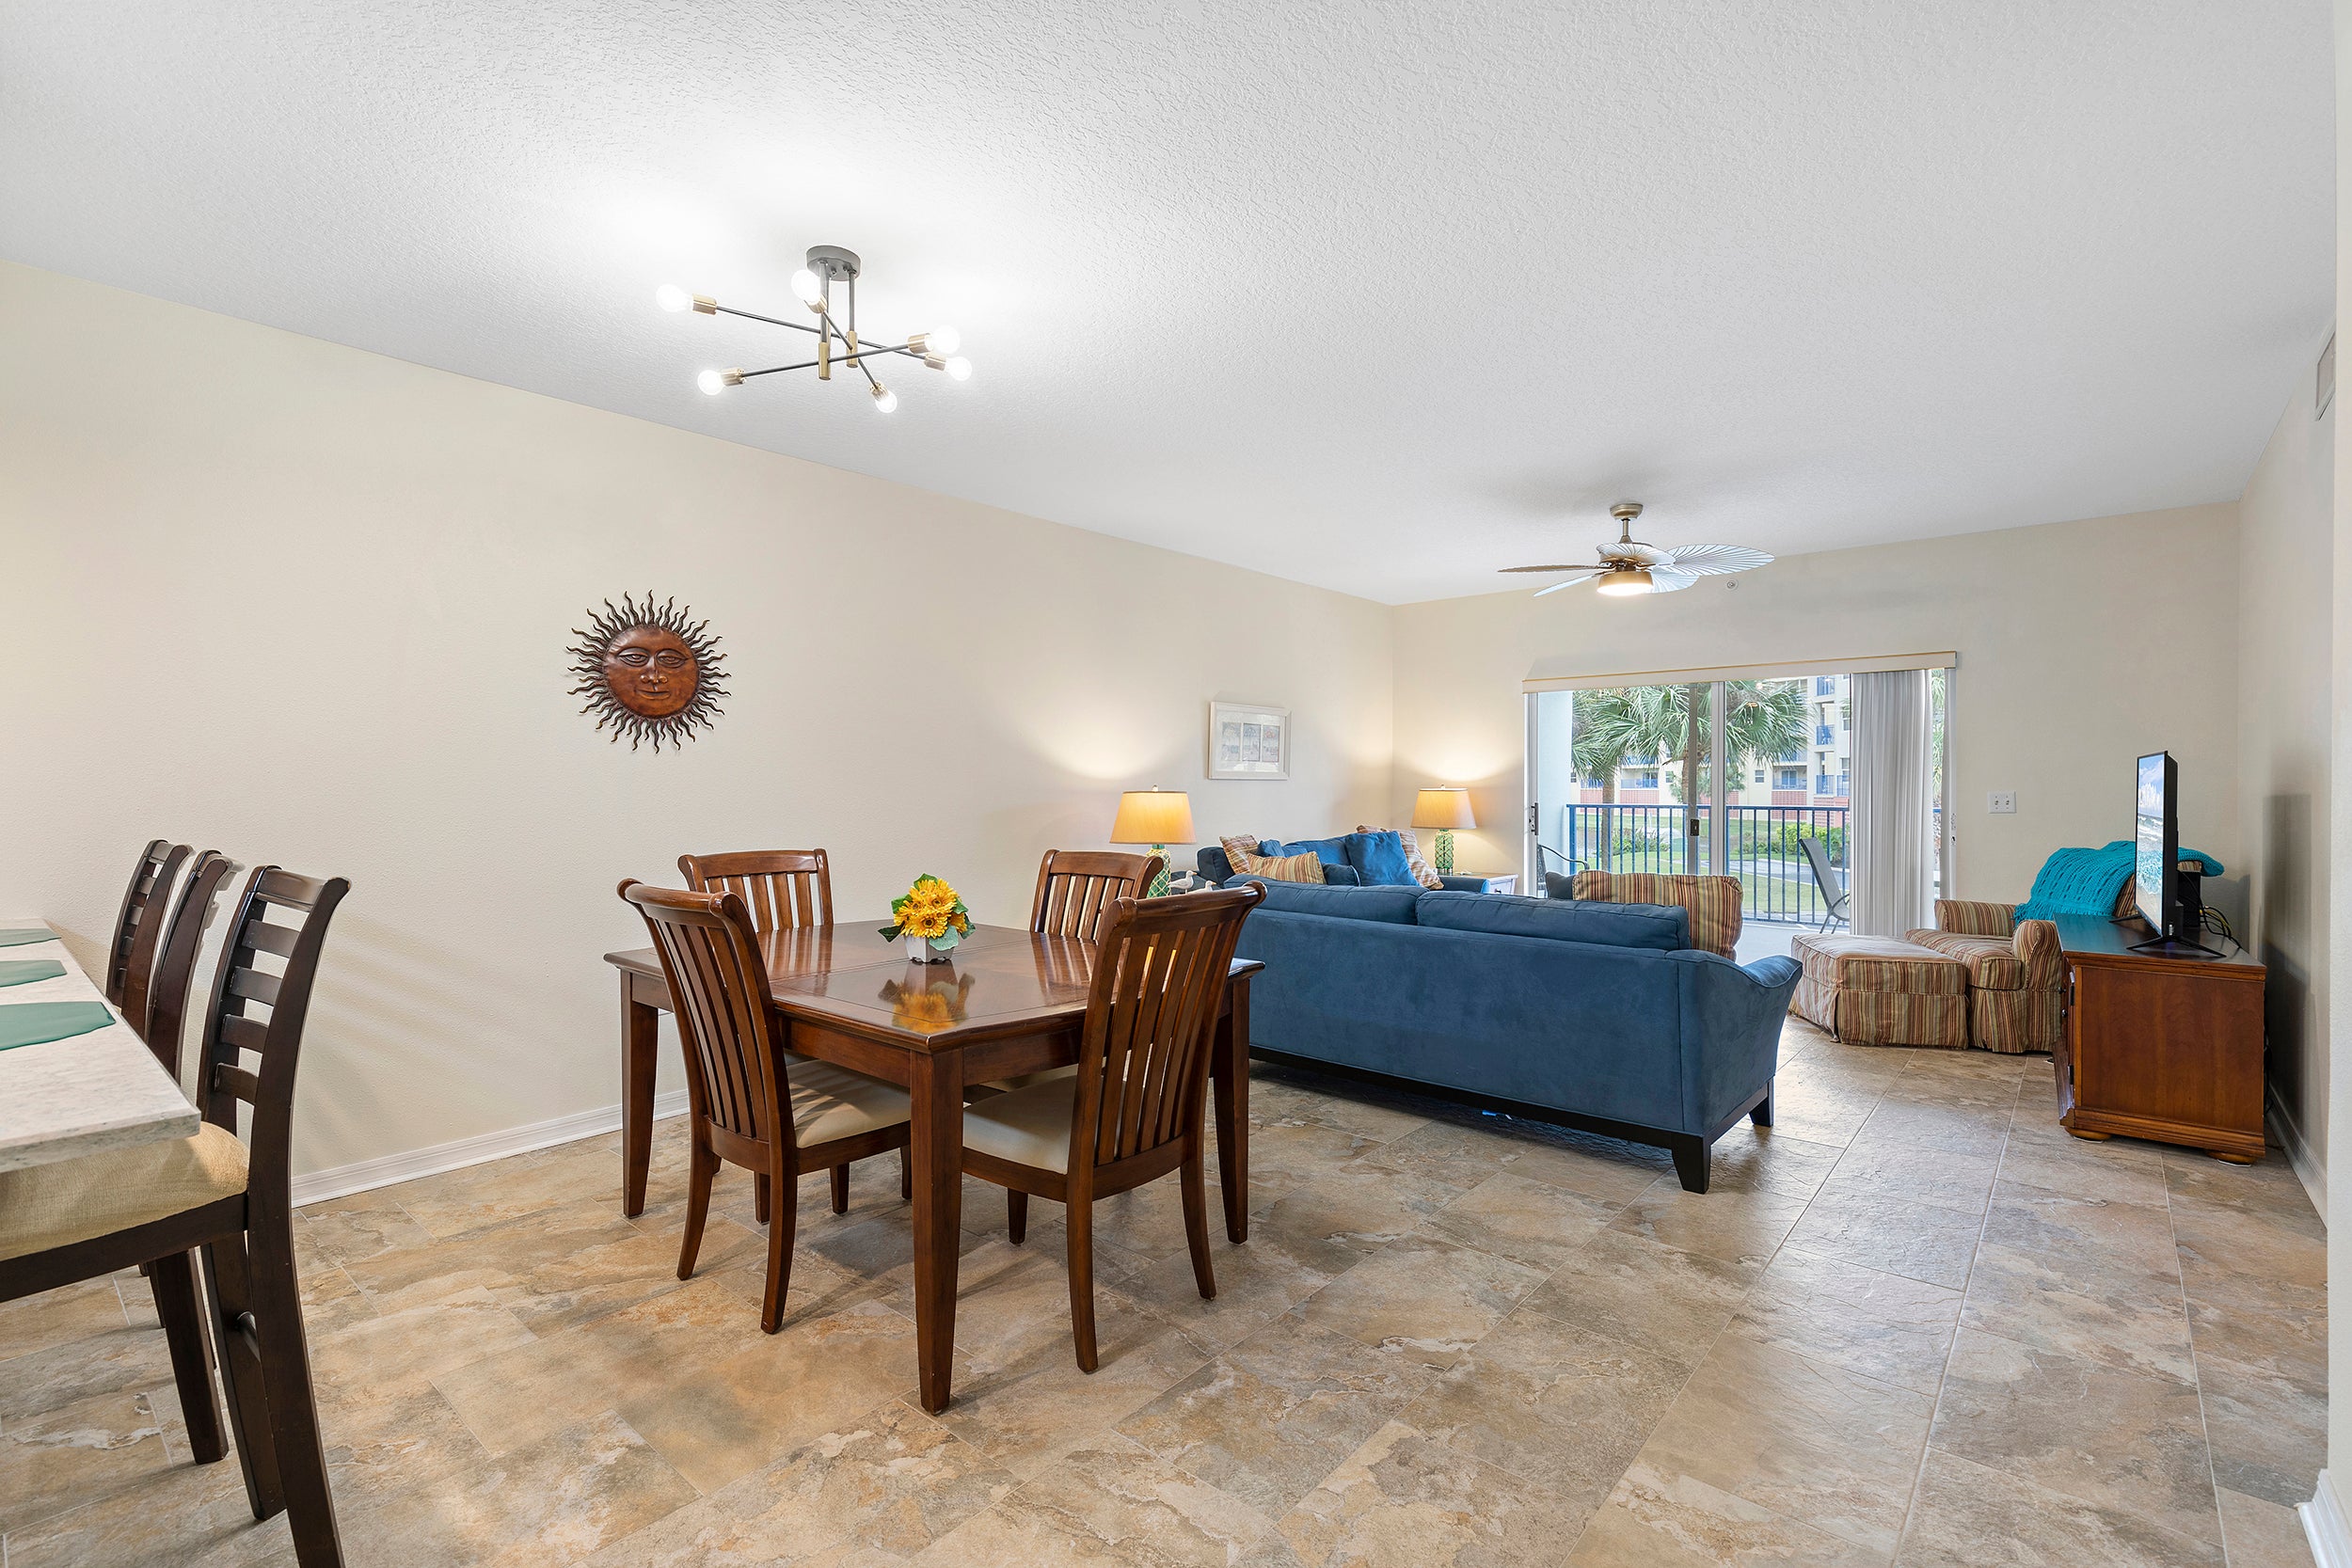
{"points": [[1718, 816]]}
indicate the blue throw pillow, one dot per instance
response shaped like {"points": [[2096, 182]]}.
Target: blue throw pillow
{"points": [[1380, 859], [1330, 851]]}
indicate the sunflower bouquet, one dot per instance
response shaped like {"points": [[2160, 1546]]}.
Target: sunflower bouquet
{"points": [[929, 917]]}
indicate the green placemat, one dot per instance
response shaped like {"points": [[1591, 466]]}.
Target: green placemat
{"points": [[18, 939], [24, 972], [32, 1022]]}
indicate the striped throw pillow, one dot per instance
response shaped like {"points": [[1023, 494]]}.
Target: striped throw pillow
{"points": [[1713, 902], [1413, 861], [1277, 868]]}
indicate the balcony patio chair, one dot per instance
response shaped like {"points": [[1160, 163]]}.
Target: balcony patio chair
{"points": [[1829, 879]]}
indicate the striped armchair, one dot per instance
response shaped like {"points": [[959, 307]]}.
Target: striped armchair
{"points": [[2016, 974]]}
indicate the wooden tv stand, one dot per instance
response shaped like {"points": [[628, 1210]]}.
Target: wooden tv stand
{"points": [[2165, 1046]]}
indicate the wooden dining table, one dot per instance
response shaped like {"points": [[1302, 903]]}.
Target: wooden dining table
{"points": [[1008, 1002], [86, 1093]]}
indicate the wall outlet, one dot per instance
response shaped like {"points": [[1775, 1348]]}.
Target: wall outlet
{"points": [[2002, 803]]}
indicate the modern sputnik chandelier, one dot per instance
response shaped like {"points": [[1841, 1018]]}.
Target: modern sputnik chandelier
{"points": [[836, 334]]}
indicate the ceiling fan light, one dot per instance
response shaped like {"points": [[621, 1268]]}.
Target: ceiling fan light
{"points": [[1622, 584]]}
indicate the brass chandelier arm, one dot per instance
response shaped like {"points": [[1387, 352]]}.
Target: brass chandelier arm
{"points": [[752, 316], [856, 353], [861, 353]]}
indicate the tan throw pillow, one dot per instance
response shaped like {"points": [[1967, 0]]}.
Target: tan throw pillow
{"points": [[1413, 862], [1713, 902], [1236, 845], [1276, 868]]}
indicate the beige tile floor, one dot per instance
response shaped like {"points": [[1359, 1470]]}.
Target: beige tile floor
{"points": [[1915, 1322]]}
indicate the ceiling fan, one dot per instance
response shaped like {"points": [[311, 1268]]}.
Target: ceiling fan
{"points": [[1629, 566]]}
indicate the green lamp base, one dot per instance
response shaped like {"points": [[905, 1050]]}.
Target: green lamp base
{"points": [[1159, 883], [1445, 851]]}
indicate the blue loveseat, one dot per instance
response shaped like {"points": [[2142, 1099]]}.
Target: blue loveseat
{"points": [[1597, 1015]]}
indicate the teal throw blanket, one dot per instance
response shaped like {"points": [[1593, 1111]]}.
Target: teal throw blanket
{"points": [[2089, 881]]}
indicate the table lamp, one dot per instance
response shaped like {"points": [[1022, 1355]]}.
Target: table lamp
{"points": [[1157, 818], [1445, 810]]}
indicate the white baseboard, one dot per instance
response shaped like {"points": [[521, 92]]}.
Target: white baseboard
{"points": [[383, 1171], [2300, 1160], [2324, 1527]]}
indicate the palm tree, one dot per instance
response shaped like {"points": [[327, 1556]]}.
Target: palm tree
{"points": [[1763, 720], [1630, 724]]}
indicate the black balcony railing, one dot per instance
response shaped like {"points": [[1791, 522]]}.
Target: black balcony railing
{"points": [[1760, 847]]}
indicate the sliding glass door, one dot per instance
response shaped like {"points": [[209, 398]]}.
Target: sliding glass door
{"points": [[1625, 780], [1750, 777]]}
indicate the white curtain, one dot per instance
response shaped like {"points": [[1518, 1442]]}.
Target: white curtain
{"points": [[1893, 847]]}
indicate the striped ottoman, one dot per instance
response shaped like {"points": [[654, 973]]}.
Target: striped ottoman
{"points": [[1875, 990]]}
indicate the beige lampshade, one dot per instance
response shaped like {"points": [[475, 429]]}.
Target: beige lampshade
{"points": [[1153, 817], [1443, 808]]}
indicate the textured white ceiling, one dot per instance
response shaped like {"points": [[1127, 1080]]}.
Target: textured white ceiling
{"points": [[1382, 298]]}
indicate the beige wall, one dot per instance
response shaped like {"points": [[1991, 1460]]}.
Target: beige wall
{"points": [[311, 605], [2081, 645], [2285, 553], [2340, 819]]}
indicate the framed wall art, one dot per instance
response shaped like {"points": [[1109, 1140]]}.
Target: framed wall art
{"points": [[1249, 740]]}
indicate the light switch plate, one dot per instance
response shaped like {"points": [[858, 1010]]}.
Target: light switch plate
{"points": [[2002, 803]]}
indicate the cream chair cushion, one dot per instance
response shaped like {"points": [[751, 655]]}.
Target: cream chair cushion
{"points": [[96, 1194], [830, 1102], [1029, 1127]]}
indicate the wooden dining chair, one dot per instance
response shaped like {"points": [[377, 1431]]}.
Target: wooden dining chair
{"points": [[1132, 1111], [155, 992], [782, 887], [1076, 888], [227, 1199], [134, 945], [785, 889], [754, 1103]]}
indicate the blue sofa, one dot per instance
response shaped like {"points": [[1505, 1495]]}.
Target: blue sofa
{"points": [[1339, 868], [1597, 1015]]}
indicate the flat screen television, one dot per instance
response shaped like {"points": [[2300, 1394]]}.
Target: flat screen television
{"points": [[2157, 844]]}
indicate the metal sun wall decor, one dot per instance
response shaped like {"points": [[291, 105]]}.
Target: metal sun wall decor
{"points": [[651, 674]]}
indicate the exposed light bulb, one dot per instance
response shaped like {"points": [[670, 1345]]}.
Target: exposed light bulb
{"points": [[884, 399], [714, 382], [942, 339], [810, 287], [1621, 583], [959, 367], [670, 298]]}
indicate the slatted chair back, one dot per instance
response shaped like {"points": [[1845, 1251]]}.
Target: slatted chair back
{"points": [[155, 998], [782, 887], [135, 936], [1143, 1060], [1076, 888], [260, 998], [735, 1077]]}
